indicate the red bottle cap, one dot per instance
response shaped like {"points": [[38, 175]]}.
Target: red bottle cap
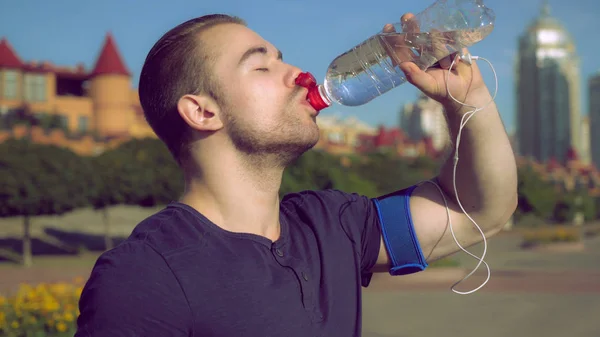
{"points": [[314, 96]]}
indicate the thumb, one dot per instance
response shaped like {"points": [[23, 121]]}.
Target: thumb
{"points": [[417, 77]]}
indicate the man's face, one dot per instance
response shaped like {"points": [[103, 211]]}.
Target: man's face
{"points": [[263, 110]]}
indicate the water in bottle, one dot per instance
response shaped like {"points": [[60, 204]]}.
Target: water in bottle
{"points": [[372, 67]]}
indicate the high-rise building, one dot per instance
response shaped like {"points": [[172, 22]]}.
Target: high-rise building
{"points": [[547, 91], [425, 119], [594, 117]]}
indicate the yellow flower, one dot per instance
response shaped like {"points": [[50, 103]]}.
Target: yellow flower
{"points": [[31, 295], [61, 327], [14, 325], [51, 305], [68, 317]]}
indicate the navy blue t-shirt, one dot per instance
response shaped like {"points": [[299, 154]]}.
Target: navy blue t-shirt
{"points": [[179, 274]]}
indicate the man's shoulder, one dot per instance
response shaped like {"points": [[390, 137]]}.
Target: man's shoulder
{"points": [[168, 230], [151, 242]]}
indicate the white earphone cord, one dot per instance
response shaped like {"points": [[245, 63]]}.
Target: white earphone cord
{"points": [[463, 122]]}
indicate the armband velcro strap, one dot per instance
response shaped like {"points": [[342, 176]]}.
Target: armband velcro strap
{"points": [[399, 233]]}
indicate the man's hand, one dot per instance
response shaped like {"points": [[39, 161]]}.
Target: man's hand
{"points": [[464, 80]]}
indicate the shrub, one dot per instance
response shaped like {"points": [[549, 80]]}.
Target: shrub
{"points": [[551, 235], [45, 310]]}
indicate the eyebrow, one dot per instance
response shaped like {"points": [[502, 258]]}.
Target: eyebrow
{"points": [[258, 50]]}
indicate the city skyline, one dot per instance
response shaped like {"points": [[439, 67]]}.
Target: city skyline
{"points": [[135, 29]]}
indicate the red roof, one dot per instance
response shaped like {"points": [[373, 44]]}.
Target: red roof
{"points": [[389, 137], [110, 61], [572, 154], [8, 57]]}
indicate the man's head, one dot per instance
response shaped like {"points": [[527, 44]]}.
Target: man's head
{"points": [[213, 78]]}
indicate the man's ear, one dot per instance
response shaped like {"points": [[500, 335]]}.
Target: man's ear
{"points": [[200, 112]]}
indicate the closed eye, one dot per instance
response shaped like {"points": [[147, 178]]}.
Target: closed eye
{"points": [[263, 69]]}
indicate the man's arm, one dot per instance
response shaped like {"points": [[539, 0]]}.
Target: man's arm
{"points": [[486, 181], [132, 292], [486, 175]]}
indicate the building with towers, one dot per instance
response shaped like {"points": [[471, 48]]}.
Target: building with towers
{"points": [[547, 92], [70, 106], [594, 118]]}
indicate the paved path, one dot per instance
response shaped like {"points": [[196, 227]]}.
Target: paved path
{"points": [[530, 294], [516, 281], [485, 314]]}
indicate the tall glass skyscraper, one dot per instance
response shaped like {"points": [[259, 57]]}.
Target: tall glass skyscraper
{"points": [[547, 84]]}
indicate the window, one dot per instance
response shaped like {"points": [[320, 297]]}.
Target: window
{"points": [[35, 87], [11, 84], [83, 124], [64, 121]]}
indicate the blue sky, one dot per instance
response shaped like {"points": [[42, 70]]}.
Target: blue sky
{"points": [[311, 33]]}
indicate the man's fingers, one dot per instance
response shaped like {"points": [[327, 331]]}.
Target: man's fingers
{"points": [[409, 23], [389, 28], [417, 77]]}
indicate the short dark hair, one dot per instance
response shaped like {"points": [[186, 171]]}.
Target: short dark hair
{"points": [[177, 65]]}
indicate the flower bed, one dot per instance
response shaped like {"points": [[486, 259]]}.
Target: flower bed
{"points": [[562, 235], [44, 310]]}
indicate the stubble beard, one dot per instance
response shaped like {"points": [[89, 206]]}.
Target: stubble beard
{"points": [[276, 148]]}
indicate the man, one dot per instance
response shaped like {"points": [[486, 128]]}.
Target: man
{"points": [[232, 259]]}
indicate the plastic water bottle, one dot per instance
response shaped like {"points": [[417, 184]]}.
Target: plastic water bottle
{"points": [[372, 68]]}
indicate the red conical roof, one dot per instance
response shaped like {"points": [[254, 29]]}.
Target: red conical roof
{"points": [[110, 61], [8, 57]]}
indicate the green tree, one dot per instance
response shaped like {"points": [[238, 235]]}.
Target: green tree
{"points": [[348, 181], [41, 180], [578, 201], [150, 174], [311, 171], [109, 189], [389, 172], [536, 195], [319, 170], [139, 172]]}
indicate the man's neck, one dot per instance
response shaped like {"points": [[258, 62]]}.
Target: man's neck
{"points": [[237, 196]]}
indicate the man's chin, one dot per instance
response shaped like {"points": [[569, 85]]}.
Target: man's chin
{"points": [[295, 151]]}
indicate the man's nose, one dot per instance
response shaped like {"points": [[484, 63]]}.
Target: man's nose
{"points": [[291, 75]]}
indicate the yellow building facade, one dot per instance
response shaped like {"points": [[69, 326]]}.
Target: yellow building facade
{"points": [[96, 109]]}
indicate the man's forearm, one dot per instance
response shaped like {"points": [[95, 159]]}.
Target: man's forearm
{"points": [[486, 175]]}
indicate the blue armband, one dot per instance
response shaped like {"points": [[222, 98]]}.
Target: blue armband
{"points": [[399, 233]]}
